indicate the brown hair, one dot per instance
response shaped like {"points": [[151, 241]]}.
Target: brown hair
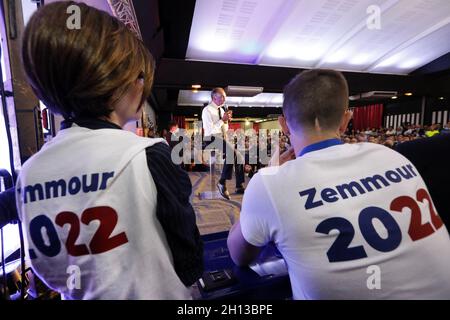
{"points": [[82, 72], [316, 94]]}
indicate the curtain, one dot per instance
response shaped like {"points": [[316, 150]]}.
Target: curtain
{"points": [[180, 120], [370, 116], [234, 126]]}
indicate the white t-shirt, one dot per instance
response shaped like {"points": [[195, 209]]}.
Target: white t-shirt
{"points": [[329, 212], [88, 204]]}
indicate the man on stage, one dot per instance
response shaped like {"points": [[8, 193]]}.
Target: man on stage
{"points": [[215, 124]]}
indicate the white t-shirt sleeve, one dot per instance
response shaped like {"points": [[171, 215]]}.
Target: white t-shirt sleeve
{"points": [[258, 216]]}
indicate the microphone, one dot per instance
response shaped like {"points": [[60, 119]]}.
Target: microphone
{"points": [[225, 109]]}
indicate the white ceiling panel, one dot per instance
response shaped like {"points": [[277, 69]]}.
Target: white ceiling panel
{"points": [[313, 29], [399, 25], [221, 27], [321, 33], [416, 54]]}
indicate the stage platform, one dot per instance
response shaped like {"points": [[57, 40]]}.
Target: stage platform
{"points": [[214, 215]]}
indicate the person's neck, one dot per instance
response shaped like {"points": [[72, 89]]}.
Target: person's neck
{"points": [[114, 118], [301, 140]]}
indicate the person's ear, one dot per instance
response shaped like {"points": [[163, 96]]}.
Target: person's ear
{"points": [[140, 80], [283, 124]]}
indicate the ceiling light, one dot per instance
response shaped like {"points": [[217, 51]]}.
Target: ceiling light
{"points": [[337, 57], [277, 98], [221, 43], [310, 54], [280, 51], [441, 98], [194, 90], [360, 59], [410, 64], [196, 115], [408, 94], [394, 97], [389, 61], [243, 91], [196, 86]]}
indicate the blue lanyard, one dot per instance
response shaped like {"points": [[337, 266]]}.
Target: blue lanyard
{"points": [[320, 145]]}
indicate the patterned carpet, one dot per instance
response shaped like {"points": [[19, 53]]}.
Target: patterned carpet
{"points": [[214, 215]]}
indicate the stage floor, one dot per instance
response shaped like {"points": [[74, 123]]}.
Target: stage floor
{"points": [[218, 214]]}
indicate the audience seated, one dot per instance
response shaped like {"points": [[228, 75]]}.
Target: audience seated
{"points": [[391, 137]]}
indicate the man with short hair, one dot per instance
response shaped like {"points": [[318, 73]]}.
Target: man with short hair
{"points": [[215, 124], [340, 214]]}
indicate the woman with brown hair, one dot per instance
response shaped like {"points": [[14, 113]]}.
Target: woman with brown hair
{"points": [[107, 214]]}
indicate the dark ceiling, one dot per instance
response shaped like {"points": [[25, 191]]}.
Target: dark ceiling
{"points": [[165, 27]]}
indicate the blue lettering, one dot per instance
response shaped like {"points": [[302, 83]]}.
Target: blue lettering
{"points": [[356, 188], [60, 187], [105, 177], [329, 195], [54, 186], [310, 200], [405, 174], [94, 183], [32, 190], [393, 176], [349, 187], [74, 185], [373, 180], [410, 167]]}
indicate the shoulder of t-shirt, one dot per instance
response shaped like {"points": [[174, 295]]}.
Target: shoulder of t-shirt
{"points": [[270, 176], [259, 181], [380, 150]]}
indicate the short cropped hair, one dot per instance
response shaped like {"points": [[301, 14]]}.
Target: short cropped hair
{"points": [[82, 72], [316, 94]]}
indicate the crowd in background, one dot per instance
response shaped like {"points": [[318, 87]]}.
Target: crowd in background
{"points": [[390, 137], [257, 156]]}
